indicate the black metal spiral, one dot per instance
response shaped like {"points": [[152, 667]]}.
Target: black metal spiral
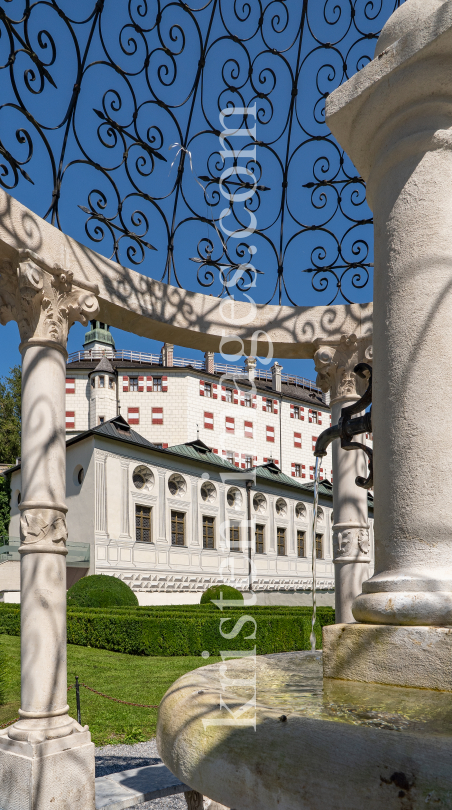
{"points": [[114, 114]]}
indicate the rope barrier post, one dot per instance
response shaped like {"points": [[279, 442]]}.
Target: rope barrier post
{"points": [[77, 697]]}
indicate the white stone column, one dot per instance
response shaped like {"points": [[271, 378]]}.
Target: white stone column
{"points": [[33, 757], [394, 121], [334, 364]]}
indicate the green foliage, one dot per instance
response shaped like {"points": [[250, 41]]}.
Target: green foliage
{"points": [[219, 592], [2, 678], [137, 679], [10, 424], [101, 591], [5, 497], [169, 632]]}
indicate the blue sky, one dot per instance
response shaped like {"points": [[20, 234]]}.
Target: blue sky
{"points": [[322, 215]]}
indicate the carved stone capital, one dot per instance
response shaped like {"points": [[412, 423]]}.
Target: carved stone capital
{"points": [[45, 301], [351, 543], [334, 363]]}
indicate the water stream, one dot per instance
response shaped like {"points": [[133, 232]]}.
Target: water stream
{"points": [[318, 462]]}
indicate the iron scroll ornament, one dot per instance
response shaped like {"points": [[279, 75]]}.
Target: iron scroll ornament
{"points": [[352, 427], [111, 112]]}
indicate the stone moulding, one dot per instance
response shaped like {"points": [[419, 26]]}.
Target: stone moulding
{"points": [[150, 308]]}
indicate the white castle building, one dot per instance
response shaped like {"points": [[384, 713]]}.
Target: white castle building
{"points": [[247, 415], [161, 453]]}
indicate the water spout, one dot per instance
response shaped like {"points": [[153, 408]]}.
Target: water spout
{"points": [[318, 462]]}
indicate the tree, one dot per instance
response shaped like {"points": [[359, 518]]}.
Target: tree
{"points": [[10, 424]]}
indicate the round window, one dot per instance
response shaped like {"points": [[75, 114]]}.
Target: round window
{"points": [[208, 492], [300, 511], [143, 477], [234, 498], [177, 484], [259, 503], [281, 507]]}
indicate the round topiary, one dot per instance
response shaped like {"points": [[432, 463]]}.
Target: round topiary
{"points": [[101, 591], [214, 593]]}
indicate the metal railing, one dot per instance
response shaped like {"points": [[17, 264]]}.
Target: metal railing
{"points": [[185, 362]]}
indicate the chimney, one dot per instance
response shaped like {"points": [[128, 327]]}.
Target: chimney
{"points": [[250, 368], [209, 362], [276, 377], [166, 355]]}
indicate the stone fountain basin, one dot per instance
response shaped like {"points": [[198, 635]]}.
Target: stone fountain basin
{"points": [[308, 743]]}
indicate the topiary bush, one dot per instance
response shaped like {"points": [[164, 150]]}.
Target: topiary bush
{"points": [[215, 593], [101, 591]]}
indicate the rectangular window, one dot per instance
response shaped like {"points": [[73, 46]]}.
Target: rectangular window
{"points": [[248, 462], [101, 420], [296, 412], [301, 543], [247, 400], [208, 531], [157, 384], [93, 382], [281, 541], [230, 456], [270, 433], [230, 424], [315, 417], [269, 406], [111, 382], [157, 416], [178, 528], [133, 416], [70, 420], [208, 390], [143, 524], [208, 420], [319, 546], [133, 383], [101, 382], [228, 394], [297, 470], [260, 530], [234, 535]]}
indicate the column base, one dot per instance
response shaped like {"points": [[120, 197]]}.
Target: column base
{"points": [[51, 775], [386, 654]]}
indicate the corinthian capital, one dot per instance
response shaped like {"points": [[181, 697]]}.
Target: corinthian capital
{"points": [[45, 301], [334, 363]]}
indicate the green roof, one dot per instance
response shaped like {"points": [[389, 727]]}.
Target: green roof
{"points": [[199, 452]]}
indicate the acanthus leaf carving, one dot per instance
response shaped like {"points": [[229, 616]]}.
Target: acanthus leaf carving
{"points": [[334, 364], [45, 302]]}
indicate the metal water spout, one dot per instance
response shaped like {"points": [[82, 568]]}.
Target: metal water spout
{"points": [[347, 427]]}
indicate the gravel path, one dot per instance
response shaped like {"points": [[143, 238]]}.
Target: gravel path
{"points": [[114, 758]]}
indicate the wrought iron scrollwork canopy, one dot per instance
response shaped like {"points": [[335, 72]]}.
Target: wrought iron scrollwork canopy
{"points": [[116, 125]]}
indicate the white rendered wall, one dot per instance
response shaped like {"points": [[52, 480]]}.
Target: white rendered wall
{"points": [[183, 413]]}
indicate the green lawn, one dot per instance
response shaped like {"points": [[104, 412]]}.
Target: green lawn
{"points": [[140, 679]]}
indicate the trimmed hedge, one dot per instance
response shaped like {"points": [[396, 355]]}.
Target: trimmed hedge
{"points": [[166, 633], [101, 591], [220, 592]]}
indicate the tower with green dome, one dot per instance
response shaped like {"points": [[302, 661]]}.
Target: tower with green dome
{"points": [[99, 339]]}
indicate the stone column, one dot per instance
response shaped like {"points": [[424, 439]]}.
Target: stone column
{"points": [[334, 364], [46, 756], [394, 121]]}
